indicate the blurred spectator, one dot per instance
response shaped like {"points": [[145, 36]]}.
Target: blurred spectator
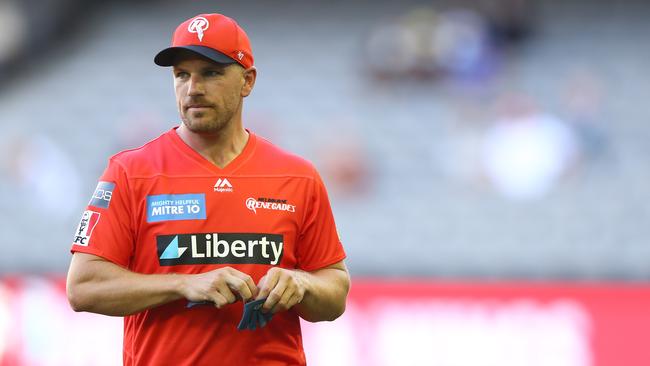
{"points": [[526, 151], [425, 43], [584, 107], [13, 34], [402, 47], [511, 21], [461, 45], [345, 167], [31, 27]]}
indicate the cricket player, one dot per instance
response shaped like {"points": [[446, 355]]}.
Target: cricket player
{"points": [[209, 213]]}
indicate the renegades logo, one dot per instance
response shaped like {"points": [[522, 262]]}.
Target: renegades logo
{"points": [[269, 204], [220, 248]]}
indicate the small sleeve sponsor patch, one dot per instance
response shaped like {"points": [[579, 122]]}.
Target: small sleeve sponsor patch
{"points": [[86, 226], [102, 195]]}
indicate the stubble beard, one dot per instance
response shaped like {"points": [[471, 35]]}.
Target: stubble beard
{"points": [[198, 123]]}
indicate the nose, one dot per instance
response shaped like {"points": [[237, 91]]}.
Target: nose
{"points": [[196, 86]]}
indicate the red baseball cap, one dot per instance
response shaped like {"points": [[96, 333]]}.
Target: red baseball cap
{"points": [[214, 36]]}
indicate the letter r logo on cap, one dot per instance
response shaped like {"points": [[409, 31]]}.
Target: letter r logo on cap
{"points": [[198, 25]]}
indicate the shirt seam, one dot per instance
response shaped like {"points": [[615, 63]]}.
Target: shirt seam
{"points": [[325, 263], [99, 253], [131, 212]]}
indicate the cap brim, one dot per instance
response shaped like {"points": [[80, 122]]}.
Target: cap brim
{"points": [[167, 56]]}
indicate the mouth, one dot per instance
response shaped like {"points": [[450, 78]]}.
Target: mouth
{"points": [[197, 107]]}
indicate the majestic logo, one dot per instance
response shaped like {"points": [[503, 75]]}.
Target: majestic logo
{"points": [[86, 226], [198, 25], [222, 185], [269, 204], [169, 207], [220, 248], [102, 195]]}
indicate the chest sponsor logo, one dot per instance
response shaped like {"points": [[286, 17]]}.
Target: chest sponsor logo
{"points": [[102, 195], [269, 204], [223, 185], [220, 248], [169, 207], [87, 224]]}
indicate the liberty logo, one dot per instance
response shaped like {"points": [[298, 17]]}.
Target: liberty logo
{"points": [[220, 248], [198, 25]]}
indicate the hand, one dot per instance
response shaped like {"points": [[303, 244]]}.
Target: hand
{"points": [[221, 286], [282, 288]]}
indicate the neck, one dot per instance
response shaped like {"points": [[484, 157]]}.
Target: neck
{"points": [[219, 148]]}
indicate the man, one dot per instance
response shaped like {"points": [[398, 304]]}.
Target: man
{"points": [[209, 212]]}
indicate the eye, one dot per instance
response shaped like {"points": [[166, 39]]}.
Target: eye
{"points": [[182, 75], [212, 73]]}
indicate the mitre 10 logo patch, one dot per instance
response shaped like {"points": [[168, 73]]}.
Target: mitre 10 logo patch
{"points": [[220, 248]]}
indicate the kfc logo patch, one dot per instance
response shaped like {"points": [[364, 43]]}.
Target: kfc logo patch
{"points": [[85, 229]]}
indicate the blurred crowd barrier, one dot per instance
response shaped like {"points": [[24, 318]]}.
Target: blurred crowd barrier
{"points": [[386, 324]]}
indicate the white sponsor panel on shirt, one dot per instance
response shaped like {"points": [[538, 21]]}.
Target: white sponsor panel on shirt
{"points": [[86, 226]]}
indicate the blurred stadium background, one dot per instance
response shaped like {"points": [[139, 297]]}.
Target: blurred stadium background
{"points": [[487, 163]]}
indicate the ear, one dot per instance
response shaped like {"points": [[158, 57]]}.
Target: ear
{"points": [[250, 75]]}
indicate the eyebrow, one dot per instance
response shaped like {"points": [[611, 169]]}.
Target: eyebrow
{"points": [[205, 68]]}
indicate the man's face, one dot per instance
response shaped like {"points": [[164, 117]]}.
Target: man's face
{"points": [[208, 94]]}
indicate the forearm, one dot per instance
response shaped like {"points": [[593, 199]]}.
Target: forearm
{"points": [[326, 291], [105, 288]]}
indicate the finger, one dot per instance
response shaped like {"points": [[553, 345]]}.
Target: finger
{"points": [[224, 290], [275, 295], [285, 301], [267, 283], [219, 300], [239, 287], [249, 283], [295, 300]]}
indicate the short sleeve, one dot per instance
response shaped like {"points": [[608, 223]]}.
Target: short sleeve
{"points": [[318, 243], [105, 228]]}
